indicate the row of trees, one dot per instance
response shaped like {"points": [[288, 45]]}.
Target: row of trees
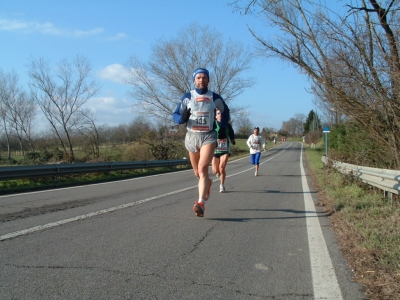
{"points": [[352, 61], [61, 92], [108, 137], [71, 124], [61, 96]]}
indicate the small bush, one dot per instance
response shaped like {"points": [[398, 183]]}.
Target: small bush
{"points": [[6, 161], [136, 152], [348, 142], [313, 137]]}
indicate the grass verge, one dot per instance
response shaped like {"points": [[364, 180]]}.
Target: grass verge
{"points": [[366, 224], [43, 183]]}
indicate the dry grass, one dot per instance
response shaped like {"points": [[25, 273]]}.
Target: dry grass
{"points": [[367, 228]]}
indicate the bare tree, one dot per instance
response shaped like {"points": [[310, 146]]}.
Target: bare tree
{"points": [[353, 60], [61, 96], [6, 124], [21, 110], [17, 111], [89, 131], [22, 113], [6, 127], [138, 128], [119, 134], [299, 120], [268, 132], [289, 126], [295, 126], [242, 124], [328, 112], [158, 84]]}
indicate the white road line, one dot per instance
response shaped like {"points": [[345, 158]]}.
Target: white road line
{"points": [[252, 168], [83, 186], [325, 283], [92, 214], [104, 211]]}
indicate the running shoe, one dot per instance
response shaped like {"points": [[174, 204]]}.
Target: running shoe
{"points": [[199, 209], [222, 189], [217, 175], [208, 192], [256, 173]]}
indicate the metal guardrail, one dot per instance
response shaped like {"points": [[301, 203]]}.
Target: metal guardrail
{"points": [[19, 172], [386, 180]]}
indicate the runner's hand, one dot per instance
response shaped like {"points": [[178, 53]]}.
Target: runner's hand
{"points": [[185, 115]]}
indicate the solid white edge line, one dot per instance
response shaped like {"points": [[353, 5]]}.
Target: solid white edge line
{"points": [[325, 283], [111, 209]]}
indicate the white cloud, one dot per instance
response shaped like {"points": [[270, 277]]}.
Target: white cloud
{"points": [[110, 105], [44, 28], [94, 31], [116, 37], [104, 102], [114, 72], [8, 25], [111, 110]]}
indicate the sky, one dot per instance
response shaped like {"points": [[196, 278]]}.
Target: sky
{"points": [[109, 32]]}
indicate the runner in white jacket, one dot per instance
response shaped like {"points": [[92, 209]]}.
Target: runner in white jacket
{"points": [[255, 142]]}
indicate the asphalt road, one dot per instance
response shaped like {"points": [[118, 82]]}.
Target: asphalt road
{"points": [[139, 239]]}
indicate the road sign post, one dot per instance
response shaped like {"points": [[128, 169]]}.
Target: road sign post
{"points": [[326, 131]]}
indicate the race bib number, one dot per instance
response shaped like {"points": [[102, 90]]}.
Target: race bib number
{"points": [[201, 121], [222, 145]]}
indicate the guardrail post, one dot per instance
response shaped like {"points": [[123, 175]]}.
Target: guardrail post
{"points": [[388, 195]]}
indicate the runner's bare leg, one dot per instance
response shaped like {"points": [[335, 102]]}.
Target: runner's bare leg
{"points": [[194, 161], [206, 156], [222, 165], [215, 165]]}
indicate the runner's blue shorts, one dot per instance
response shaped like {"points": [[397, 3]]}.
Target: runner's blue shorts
{"points": [[255, 158]]}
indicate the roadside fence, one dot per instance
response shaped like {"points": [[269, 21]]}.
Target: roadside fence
{"points": [[20, 172], [386, 180]]}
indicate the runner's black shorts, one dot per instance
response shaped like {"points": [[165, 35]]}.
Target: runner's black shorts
{"points": [[218, 155]]}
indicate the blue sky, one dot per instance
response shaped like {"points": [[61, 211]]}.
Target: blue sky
{"points": [[109, 32]]}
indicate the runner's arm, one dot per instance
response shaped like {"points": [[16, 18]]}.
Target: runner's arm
{"points": [[221, 105], [231, 134], [249, 142], [180, 108]]}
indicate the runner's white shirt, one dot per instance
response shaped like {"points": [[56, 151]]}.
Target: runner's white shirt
{"points": [[255, 143], [202, 111]]}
